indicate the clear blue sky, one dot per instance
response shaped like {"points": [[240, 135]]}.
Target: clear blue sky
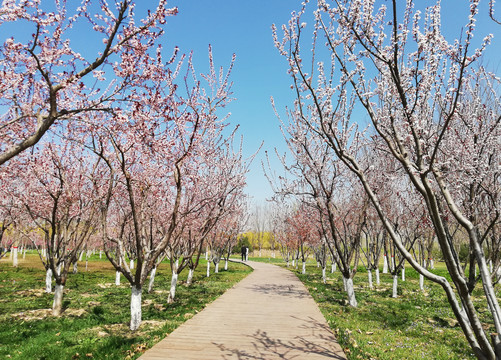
{"points": [[244, 28]]}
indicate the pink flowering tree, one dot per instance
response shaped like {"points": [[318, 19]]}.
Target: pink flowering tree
{"points": [[429, 108], [153, 148], [53, 189], [47, 79]]}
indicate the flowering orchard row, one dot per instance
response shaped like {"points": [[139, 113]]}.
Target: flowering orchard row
{"points": [[122, 149], [395, 134]]}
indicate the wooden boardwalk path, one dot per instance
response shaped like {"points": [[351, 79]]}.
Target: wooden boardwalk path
{"points": [[268, 315]]}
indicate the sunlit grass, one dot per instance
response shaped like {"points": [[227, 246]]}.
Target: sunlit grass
{"points": [[416, 325], [95, 321]]}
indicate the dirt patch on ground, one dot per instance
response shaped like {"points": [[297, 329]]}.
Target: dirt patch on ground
{"points": [[123, 329], [41, 314], [160, 291], [31, 292], [106, 285], [87, 295]]}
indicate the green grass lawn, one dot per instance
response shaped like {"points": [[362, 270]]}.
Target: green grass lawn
{"points": [[416, 325], [96, 317]]}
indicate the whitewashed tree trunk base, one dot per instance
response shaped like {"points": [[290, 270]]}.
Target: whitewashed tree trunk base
{"points": [[350, 291], [385, 265], [395, 285], [403, 274], [226, 265], [117, 278], [172, 291], [378, 281], [48, 281], [421, 282], [57, 305], [152, 279], [304, 268], [189, 281], [216, 268], [135, 308], [14, 256], [208, 268], [369, 274], [324, 277]]}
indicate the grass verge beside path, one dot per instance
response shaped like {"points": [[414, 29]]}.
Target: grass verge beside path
{"points": [[416, 325], [94, 324]]}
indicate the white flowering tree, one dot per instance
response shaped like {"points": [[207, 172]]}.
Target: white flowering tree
{"points": [[429, 108]]}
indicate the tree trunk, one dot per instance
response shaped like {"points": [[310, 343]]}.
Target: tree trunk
{"points": [[117, 278], [350, 291], [152, 279], [189, 281], [324, 277], [132, 264], [226, 264], [304, 268], [100, 254], [135, 308], [57, 305], [24, 253], [173, 284], [75, 267], [293, 262], [395, 284], [403, 274], [333, 268], [48, 281], [377, 276], [208, 268], [369, 274], [421, 282], [81, 256], [216, 269], [385, 265], [14, 256]]}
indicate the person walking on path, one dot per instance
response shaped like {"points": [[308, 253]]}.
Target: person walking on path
{"points": [[243, 251]]}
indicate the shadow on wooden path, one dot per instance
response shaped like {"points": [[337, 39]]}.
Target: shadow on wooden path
{"points": [[267, 315]]}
